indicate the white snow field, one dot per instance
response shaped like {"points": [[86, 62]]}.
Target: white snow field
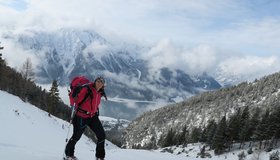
{"points": [[29, 133]]}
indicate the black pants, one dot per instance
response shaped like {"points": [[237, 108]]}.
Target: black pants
{"points": [[80, 124]]}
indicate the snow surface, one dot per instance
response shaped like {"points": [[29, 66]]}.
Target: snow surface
{"points": [[31, 134]]}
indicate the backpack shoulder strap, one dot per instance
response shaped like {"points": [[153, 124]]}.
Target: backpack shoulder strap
{"points": [[89, 94]]}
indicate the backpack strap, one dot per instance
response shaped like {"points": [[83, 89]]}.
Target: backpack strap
{"points": [[89, 94]]}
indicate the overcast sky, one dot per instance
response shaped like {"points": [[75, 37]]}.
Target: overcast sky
{"points": [[232, 34]]}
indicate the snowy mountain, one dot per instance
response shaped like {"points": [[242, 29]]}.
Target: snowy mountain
{"points": [[227, 79], [66, 53]]}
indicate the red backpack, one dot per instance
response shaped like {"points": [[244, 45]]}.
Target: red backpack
{"points": [[75, 87]]}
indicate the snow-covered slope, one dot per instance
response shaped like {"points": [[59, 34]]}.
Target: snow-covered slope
{"points": [[147, 130], [31, 134]]}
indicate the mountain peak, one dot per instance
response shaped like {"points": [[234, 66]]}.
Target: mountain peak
{"points": [[67, 52]]}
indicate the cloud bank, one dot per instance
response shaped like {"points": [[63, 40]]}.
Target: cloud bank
{"points": [[195, 36]]}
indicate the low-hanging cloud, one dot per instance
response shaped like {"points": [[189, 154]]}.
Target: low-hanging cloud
{"points": [[251, 66], [15, 55], [205, 58], [98, 49], [202, 58]]}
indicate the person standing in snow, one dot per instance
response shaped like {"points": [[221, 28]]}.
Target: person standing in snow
{"points": [[87, 115]]}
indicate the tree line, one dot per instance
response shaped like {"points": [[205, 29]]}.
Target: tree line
{"points": [[22, 85], [255, 127]]}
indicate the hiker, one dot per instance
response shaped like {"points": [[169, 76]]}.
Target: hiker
{"points": [[87, 106]]}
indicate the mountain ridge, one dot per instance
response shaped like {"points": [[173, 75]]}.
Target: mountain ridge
{"points": [[66, 53], [197, 111]]}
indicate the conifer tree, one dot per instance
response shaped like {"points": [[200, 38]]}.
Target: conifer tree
{"points": [[195, 135], [168, 141], [274, 126], [244, 126], [53, 97], [182, 136], [244, 117], [233, 127], [211, 129], [244, 134], [254, 122], [277, 131], [1, 62], [203, 136], [261, 131], [220, 137]]}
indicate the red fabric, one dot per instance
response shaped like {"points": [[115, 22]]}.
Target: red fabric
{"points": [[90, 105], [76, 82], [79, 80]]}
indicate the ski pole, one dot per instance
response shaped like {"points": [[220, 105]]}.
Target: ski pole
{"points": [[73, 112]]}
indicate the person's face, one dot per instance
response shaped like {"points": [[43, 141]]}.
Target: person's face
{"points": [[99, 84]]}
